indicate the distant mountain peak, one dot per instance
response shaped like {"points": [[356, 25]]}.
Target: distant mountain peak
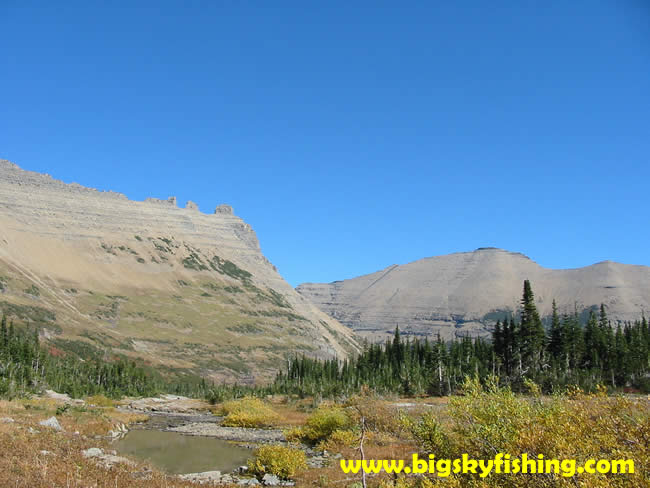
{"points": [[465, 293]]}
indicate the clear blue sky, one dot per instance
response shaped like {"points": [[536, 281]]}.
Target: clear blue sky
{"points": [[350, 135]]}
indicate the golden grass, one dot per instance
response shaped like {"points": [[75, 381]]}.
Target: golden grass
{"points": [[289, 417], [583, 423], [24, 465], [332, 476]]}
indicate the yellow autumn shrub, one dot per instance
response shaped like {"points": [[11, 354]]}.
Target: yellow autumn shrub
{"points": [[248, 412], [340, 439], [487, 420], [321, 425], [281, 461]]}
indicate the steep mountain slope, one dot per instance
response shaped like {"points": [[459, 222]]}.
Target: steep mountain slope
{"points": [[465, 293], [184, 290]]}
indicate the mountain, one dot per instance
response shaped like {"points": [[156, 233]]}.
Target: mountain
{"points": [[465, 293], [184, 291]]}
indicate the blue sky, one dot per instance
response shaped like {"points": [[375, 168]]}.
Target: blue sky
{"points": [[350, 135]]}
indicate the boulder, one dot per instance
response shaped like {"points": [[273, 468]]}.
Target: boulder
{"points": [[205, 477], [92, 452], [52, 423], [248, 482], [270, 480], [63, 397]]}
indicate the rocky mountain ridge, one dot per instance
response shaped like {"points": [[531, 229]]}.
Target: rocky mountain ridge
{"points": [[183, 290], [465, 293]]}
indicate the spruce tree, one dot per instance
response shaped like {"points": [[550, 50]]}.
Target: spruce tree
{"points": [[591, 358], [531, 332], [4, 333], [556, 339]]}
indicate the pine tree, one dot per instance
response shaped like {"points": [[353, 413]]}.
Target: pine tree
{"points": [[4, 333], [531, 332], [556, 339], [620, 354], [591, 358]]}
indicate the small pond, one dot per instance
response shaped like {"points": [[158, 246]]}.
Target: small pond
{"points": [[175, 453]]}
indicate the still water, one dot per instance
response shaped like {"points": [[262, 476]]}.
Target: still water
{"points": [[176, 453]]}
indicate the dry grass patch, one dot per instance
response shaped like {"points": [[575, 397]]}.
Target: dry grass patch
{"points": [[290, 417], [333, 476], [44, 458]]}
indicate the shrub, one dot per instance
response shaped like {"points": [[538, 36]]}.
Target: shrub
{"points": [[340, 439], [281, 461], [378, 416], [322, 424], [487, 420], [248, 412], [428, 433], [33, 291], [61, 409]]}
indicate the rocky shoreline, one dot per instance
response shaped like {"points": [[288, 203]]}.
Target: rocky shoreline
{"points": [[171, 413], [235, 434]]}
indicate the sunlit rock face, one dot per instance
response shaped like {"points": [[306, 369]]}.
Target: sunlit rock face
{"points": [[175, 286], [465, 293]]}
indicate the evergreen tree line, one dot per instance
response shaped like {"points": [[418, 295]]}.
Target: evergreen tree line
{"points": [[565, 353], [27, 366]]}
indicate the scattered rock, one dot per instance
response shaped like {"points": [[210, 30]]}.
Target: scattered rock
{"points": [[63, 398], [206, 477], [119, 431], [45, 452], [248, 482], [317, 462], [6, 420], [166, 404], [108, 461], [52, 423], [237, 434], [270, 480], [92, 452], [242, 469], [32, 430], [145, 474]]}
